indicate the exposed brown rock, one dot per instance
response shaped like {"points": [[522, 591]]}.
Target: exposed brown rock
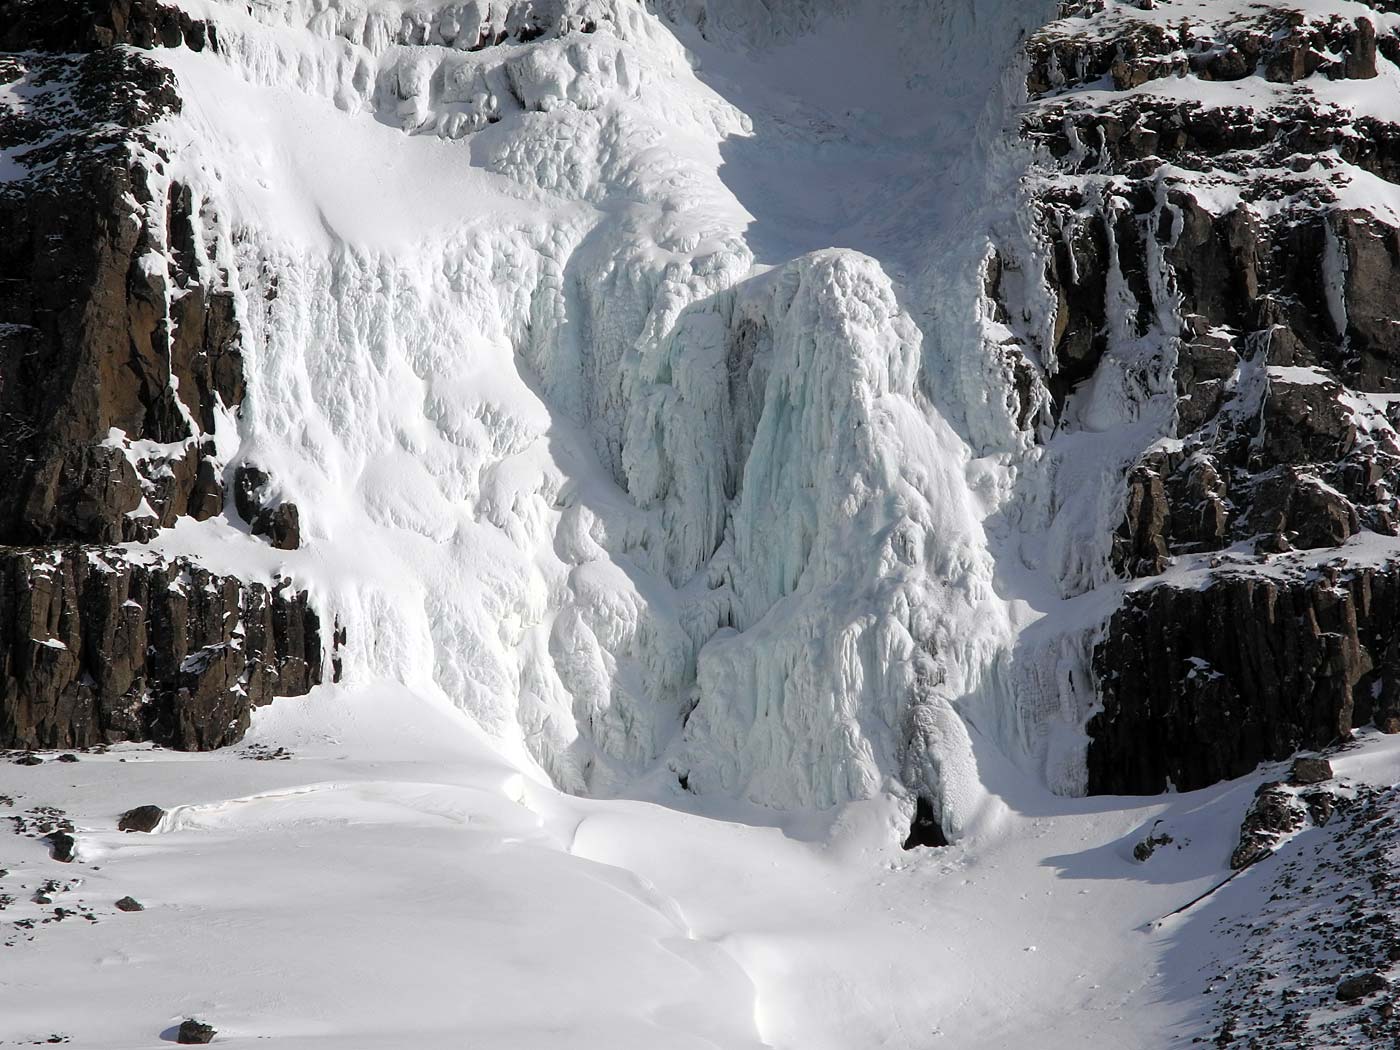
{"points": [[1202, 685], [95, 648], [1308, 771], [279, 522], [119, 327]]}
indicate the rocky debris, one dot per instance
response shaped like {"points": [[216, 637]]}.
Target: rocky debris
{"points": [[29, 759], [1360, 986], [279, 522], [1308, 771], [264, 753], [1326, 913], [142, 818], [1143, 851], [195, 1032], [39, 821], [96, 648], [1321, 805], [46, 902], [1274, 813]]}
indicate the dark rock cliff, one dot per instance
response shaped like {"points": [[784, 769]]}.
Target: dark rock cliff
{"points": [[96, 648], [1201, 685], [1218, 246], [120, 352]]}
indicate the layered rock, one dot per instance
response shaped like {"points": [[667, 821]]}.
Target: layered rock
{"points": [[1200, 685], [119, 355], [97, 648], [1211, 243], [121, 350]]}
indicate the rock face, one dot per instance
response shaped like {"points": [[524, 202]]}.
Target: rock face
{"points": [[110, 337], [280, 522], [1201, 685], [96, 649], [120, 359], [1267, 312]]}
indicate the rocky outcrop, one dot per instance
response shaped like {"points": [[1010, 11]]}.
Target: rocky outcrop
{"points": [[279, 522], [1275, 813], [119, 354], [90, 25], [1214, 247], [142, 819], [120, 359], [96, 648], [1199, 685]]}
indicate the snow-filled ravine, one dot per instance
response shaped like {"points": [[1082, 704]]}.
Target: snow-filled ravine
{"points": [[633, 386]]}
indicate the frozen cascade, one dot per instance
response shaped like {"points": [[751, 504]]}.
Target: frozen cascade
{"points": [[641, 492]]}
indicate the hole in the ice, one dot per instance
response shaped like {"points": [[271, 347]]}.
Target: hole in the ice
{"points": [[925, 831]]}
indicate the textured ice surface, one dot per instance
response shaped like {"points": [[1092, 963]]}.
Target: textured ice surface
{"points": [[635, 380]]}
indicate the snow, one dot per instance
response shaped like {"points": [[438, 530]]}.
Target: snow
{"points": [[538, 370], [395, 882]]}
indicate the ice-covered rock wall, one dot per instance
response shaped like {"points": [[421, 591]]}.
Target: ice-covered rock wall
{"points": [[710, 387]]}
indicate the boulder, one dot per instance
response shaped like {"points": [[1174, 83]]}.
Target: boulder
{"points": [[62, 846], [1360, 986], [1307, 771], [195, 1033], [142, 818]]}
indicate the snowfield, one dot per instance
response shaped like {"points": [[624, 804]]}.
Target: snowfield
{"points": [[640, 395], [394, 882]]}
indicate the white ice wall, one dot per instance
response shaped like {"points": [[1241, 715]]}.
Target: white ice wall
{"points": [[568, 455]]}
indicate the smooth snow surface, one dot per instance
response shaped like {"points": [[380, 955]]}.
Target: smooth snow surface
{"points": [[395, 884]]}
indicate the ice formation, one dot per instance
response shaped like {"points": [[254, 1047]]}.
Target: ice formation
{"points": [[634, 372]]}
